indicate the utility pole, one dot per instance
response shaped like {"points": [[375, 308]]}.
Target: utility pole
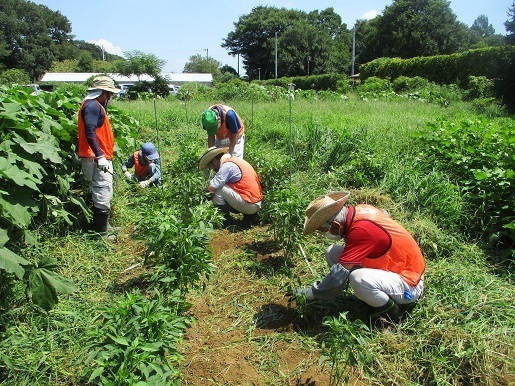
{"points": [[103, 54], [353, 49], [259, 72], [238, 64], [276, 57], [309, 58], [207, 52]]}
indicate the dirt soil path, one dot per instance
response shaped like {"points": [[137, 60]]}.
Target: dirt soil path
{"points": [[245, 333]]}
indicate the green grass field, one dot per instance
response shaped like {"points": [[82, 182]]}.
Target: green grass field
{"points": [[245, 332]]}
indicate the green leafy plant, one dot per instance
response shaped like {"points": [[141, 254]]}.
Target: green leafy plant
{"points": [[347, 344], [178, 250], [134, 341]]}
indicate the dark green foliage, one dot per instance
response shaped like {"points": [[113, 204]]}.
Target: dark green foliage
{"points": [[319, 35], [480, 157], [40, 176]]}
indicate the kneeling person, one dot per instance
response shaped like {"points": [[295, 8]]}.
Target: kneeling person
{"points": [[235, 186], [380, 259], [147, 166]]}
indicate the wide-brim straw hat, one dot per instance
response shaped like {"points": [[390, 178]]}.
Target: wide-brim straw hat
{"points": [[210, 153], [103, 83], [322, 208]]}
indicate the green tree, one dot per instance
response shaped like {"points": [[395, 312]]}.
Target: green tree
{"points": [[138, 63], [85, 62], [318, 40], [202, 65], [32, 35], [14, 75], [409, 28], [510, 24], [482, 27]]}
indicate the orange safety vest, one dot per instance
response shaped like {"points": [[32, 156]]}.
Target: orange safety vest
{"points": [[140, 170], [104, 133], [249, 186], [404, 255], [223, 132]]}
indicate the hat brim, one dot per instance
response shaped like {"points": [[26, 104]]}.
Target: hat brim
{"points": [[211, 153], [153, 156], [110, 89], [211, 130], [331, 203]]}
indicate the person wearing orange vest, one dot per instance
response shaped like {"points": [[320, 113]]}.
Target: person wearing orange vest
{"points": [[147, 166], [235, 186], [96, 150], [224, 129], [380, 259]]}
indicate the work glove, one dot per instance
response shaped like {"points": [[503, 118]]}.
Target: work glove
{"points": [[307, 292], [144, 184], [128, 175], [102, 164]]}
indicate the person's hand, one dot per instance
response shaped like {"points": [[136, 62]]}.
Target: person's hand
{"points": [[102, 164], [144, 184], [307, 292], [128, 175]]}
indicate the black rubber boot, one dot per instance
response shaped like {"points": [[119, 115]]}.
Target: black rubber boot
{"points": [[387, 315], [101, 223], [226, 211], [249, 220]]}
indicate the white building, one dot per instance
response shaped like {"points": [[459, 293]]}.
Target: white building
{"points": [[174, 78]]}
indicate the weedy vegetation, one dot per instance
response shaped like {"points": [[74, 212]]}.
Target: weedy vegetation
{"points": [[76, 310]]}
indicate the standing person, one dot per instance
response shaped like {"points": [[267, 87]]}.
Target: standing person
{"points": [[96, 150], [235, 186], [147, 166], [381, 260], [224, 129]]}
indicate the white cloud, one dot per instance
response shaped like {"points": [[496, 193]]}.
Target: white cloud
{"points": [[370, 14], [108, 46]]}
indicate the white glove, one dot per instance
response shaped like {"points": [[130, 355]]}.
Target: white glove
{"points": [[144, 184], [307, 292], [102, 164], [128, 175]]}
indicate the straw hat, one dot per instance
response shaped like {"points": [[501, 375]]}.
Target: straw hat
{"points": [[322, 208], [103, 83], [210, 153]]}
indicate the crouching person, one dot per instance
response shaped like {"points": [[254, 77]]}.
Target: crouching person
{"points": [[235, 186], [147, 166], [380, 259]]}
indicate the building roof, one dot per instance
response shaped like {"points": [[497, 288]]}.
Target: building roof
{"points": [[179, 78]]}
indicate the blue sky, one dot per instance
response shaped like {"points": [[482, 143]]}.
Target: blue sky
{"points": [[176, 30]]}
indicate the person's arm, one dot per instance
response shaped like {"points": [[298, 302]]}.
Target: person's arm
{"points": [[228, 172], [233, 125], [364, 239], [155, 171], [210, 140], [128, 164], [93, 118]]}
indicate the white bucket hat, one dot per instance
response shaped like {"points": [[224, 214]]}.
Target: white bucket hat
{"points": [[322, 208], [210, 153], [103, 83]]}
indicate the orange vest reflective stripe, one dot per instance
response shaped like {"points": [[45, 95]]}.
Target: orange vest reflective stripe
{"points": [[223, 132], [139, 169], [104, 133], [404, 256], [249, 186]]}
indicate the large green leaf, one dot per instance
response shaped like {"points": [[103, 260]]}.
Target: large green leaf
{"points": [[16, 213], [18, 176], [45, 145], [44, 284], [12, 263], [4, 237]]}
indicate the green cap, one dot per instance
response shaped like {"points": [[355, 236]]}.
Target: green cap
{"points": [[210, 121]]}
